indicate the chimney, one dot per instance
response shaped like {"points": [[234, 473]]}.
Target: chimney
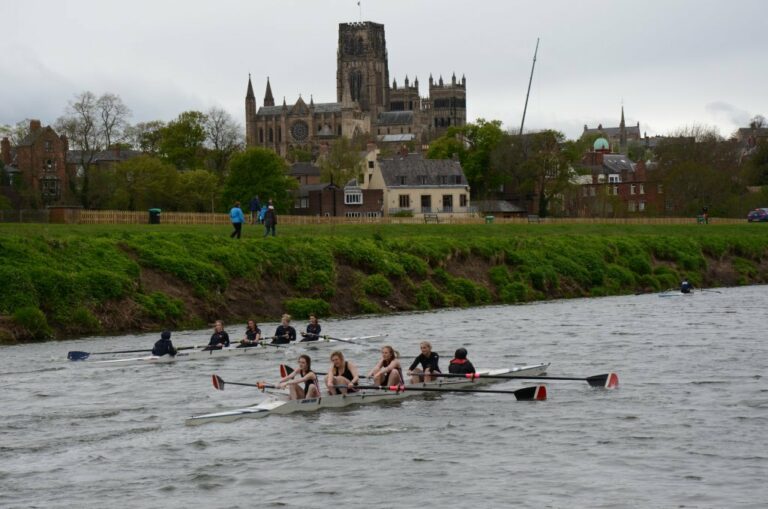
{"points": [[65, 142], [34, 125], [370, 146], [5, 151]]}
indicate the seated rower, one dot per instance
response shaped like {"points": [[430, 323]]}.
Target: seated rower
{"points": [[387, 371], [219, 338], [284, 333], [164, 346], [252, 335], [313, 330], [428, 360], [303, 375], [685, 286], [341, 373], [460, 364]]}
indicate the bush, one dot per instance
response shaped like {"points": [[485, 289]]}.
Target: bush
{"points": [[83, 321], [377, 285], [499, 276], [33, 322], [367, 307], [161, 307], [514, 292], [427, 296], [640, 265], [302, 307]]}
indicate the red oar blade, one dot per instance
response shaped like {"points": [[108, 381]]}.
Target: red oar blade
{"points": [[285, 370], [533, 393], [218, 382], [606, 381]]}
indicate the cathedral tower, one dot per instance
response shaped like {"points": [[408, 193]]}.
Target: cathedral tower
{"points": [[250, 115], [362, 66]]}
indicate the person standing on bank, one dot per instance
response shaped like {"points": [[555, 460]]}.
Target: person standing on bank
{"points": [[254, 207], [270, 221], [237, 218], [164, 346]]}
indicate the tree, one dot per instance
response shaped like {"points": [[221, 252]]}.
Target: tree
{"points": [[259, 171], [15, 133], [757, 122], [198, 190], [145, 182], [146, 136], [182, 141], [343, 162], [224, 137], [91, 124], [757, 166]]}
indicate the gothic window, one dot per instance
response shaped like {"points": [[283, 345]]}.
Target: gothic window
{"points": [[360, 49], [338, 130], [435, 122], [300, 130], [261, 135], [271, 135], [279, 134], [356, 84]]}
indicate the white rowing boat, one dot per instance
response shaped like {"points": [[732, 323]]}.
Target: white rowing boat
{"points": [[189, 355], [279, 404]]}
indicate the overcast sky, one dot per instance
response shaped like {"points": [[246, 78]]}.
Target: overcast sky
{"points": [[671, 63]]}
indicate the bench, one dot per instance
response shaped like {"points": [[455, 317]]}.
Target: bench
{"points": [[431, 218], [533, 218]]}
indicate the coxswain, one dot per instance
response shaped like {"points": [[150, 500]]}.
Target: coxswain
{"points": [[460, 364], [219, 338], [252, 335], [303, 375], [313, 329], [284, 333], [341, 373], [387, 371], [685, 286], [428, 360], [164, 346]]}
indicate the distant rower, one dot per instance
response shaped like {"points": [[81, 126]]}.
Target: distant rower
{"points": [[313, 330], [284, 333], [164, 346], [304, 374], [460, 364], [219, 338], [252, 335], [428, 360], [685, 286]]}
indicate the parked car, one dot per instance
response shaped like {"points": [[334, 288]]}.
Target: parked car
{"points": [[758, 215]]}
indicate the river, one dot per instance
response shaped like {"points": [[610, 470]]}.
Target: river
{"points": [[686, 428]]}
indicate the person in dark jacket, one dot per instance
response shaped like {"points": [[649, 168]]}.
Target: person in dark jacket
{"points": [[284, 333], [460, 364], [252, 335], [428, 360], [219, 338], [254, 207], [164, 346], [686, 287], [270, 221], [313, 330]]}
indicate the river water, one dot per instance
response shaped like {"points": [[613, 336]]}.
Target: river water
{"points": [[686, 428]]}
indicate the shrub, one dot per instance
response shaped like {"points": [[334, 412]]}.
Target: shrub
{"points": [[302, 307], [367, 307], [377, 285], [514, 292], [640, 265], [33, 321], [82, 320], [160, 306], [427, 296], [499, 276]]}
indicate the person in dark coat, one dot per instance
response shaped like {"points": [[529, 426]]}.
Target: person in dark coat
{"points": [[686, 287], [164, 346], [270, 221], [254, 207], [219, 338], [313, 329], [284, 333], [460, 364]]}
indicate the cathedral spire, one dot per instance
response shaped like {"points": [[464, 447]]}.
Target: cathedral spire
{"points": [[622, 124], [249, 94], [268, 99]]}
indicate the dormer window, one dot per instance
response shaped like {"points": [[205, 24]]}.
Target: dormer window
{"points": [[614, 179], [353, 197], [401, 180], [423, 180]]}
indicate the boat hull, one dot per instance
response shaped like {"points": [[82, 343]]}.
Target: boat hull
{"points": [[186, 355], [283, 406]]}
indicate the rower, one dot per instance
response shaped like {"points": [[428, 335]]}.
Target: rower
{"points": [[460, 364], [304, 374], [313, 330], [341, 372], [685, 286], [252, 335], [284, 333], [387, 371], [219, 338], [428, 360], [164, 346]]}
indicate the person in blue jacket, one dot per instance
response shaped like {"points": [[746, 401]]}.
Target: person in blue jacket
{"points": [[237, 218], [262, 213]]}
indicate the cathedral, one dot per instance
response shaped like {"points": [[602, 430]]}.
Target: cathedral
{"points": [[366, 102]]}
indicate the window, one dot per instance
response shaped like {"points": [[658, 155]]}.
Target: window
{"points": [[370, 164], [401, 130], [592, 191], [457, 180], [612, 190], [462, 200], [423, 180], [426, 203], [660, 188], [632, 189], [261, 135], [48, 146], [301, 203], [353, 197], [271, 135], [354, 214], [641, 206], [614, 178], [401, 180], [584, 191], [615, 190], [443, 179], [279, 134], [370, 177], [338, 130], [405, 201], [388, 130], [631, 206], [447, 203], [642, 189]]}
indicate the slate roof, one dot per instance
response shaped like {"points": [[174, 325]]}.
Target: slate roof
{"points": [[413, 167], [497, 206], [395, 118], [305, 189], [613, 132], [302, 168], [389, 138], [617, 163], [74, 156], [319, 108]]}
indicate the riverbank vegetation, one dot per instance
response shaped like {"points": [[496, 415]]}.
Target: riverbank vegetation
{"points": [[64, 281]]}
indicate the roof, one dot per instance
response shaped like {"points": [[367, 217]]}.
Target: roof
{"points": [[395, 118], [497, 206], [319, 108], [305, 189], [617, 163], [302, 168], [613, 132], [74, 156], [388, 138], [414, 167]]}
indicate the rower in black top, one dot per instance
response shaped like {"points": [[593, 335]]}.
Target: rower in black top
{"points": [[284, 333], [164, 346], [303, 374], [460, 364], [313, 330], [219, 338], [428, 360], [341, 373], [252, 335], [686, 287]]}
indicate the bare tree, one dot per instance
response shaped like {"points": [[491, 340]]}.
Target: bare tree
{"points": [[15, 133], [114, 118], [224, 137], [757, 122]]}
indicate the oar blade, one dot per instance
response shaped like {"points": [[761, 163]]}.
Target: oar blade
{"points": [[218, 382], [78, 356], [605, 381], [532, 393], [285, 370]]}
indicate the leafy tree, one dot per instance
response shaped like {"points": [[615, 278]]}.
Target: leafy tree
{"points": [[146, 136], [757, 166], [224, 137], [15, 133], [344, 161], [182, 141], [298, 155], [198, 191], [259, 171], [145, 182]]}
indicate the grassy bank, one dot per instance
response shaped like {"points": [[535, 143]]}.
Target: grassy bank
{"points": [[61, 281]]}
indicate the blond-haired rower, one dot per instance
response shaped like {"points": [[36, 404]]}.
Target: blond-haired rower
{"points": [[388, 370], [284, 333], [342, 376], [428, 360]]}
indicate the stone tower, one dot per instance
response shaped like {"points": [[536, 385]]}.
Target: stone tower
{"points": [[250, 115], [362, 66], [448, 103]]}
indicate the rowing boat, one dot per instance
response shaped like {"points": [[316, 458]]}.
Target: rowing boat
{"points": [[674, 293], [189, 355], [279, 404]]}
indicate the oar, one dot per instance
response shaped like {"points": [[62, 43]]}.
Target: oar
{"points": [[81, 356], [606, 381], [536, 392], [218, 384], [708, 290]]}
